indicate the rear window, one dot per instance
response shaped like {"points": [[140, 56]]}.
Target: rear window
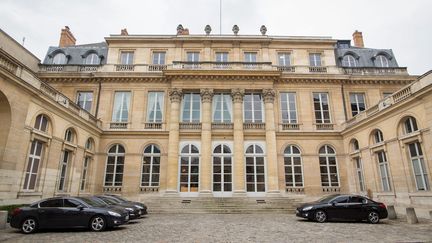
{"points": [[357, 200]]}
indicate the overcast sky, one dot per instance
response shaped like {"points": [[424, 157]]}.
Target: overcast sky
{"points": [[401, 25]]}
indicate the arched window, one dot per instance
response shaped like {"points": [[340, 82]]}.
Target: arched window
{"points": [[328, 167], [114, 166], [293, 167], [222, 168], [378, 136], [189, 168], [89, 144], [150, 166], [349, 61], [59, 59], [410, 125], [384, 173], [69, 135], [92, 59], [41, 123], [255, 169], [381, 61], [355, 145], [33, 165]]}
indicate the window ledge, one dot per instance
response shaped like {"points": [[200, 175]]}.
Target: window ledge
{"points": [[29, 194], [420, 194], [410, 136], [377, 145]]}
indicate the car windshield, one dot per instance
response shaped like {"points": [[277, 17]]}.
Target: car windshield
{"points": [[118, 198], [107, 200], [92, 202], [327, 198]]}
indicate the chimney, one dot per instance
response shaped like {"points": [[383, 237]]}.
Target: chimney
{"points": [[124, 32], [66, 38], [358, 39]]}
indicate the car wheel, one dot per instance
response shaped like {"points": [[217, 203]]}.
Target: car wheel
{"points": [[97, 223], [373, 217], [320, 216], [29, 225]]}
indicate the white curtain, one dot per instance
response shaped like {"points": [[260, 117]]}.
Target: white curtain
{"points": [[116, 109], [159, 106], [215, 102], [228, 103], [151, 106]]}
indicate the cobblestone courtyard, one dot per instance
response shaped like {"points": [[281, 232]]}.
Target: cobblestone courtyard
{"points": [[235, 228]]}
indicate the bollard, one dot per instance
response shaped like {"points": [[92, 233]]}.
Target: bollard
{"points": [[3, 219], [391, 212], [411, 216]]}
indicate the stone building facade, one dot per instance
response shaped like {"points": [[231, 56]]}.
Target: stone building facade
{"points": [[213, 116]]}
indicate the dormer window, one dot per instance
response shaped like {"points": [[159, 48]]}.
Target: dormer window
{"points": [[92, 59], [381, 61], [59, 59], [349, 61]]}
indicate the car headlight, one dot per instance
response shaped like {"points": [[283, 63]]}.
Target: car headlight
{"points": [[138, 206], [129, 209], [307, 208], [114, 214]]}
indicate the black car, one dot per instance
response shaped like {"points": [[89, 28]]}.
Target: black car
{"points": [[67, 212], [141, 206], [133, 211], [343, 207]]}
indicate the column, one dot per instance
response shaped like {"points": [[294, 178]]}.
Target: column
{"points": [[206, 141], [173, 141], [239, 163], [271, 151]]}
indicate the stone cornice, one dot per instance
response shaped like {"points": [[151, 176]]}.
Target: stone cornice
{"points": [[339, 80]]}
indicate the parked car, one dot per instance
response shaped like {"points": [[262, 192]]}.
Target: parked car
{"points": [[67, 212], [133, 211], [119, 199], [343, 207]]}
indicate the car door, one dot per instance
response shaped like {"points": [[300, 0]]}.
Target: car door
{"points": [[51, 214], [338, 207], [74, 216], [356, 208]]}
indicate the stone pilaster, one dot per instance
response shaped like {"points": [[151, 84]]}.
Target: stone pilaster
{"points": [[272, 171], [206, 163], [239, 163], [173, 141]]}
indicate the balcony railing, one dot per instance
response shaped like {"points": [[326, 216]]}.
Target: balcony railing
{"points": [[190, 125], [112, 189], [290, 126], [153, 125], [289, 69], [223, 65], [317, 69], [124, 68], [69, 68], [253, 125], [324, 126], [375, 71], [118, 125], [8, 65], [222, 125], [149, 189], [156, 68], [294, 189], [330, 189]]}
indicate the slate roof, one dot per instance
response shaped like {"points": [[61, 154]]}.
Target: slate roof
{"points": [[76, 54]]}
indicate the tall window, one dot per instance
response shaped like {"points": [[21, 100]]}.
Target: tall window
{"points": [[159, 58], [349, 61], [41, 123], [419, 168], [355, 145], [89, 144], [253, 108], [381, 61], [250, 57], [69, 135], [221, 56], [288, 106], [193, 56], [191, 107], [255, 169], [150, 166], [85, 100], [321, 107], [85, 170], [59, 59], [222, 169], [189, 168], [384, 171], [315, 59], [92, 59], [284, 59], [328, 166], [114, 166], [155, 106], [410, 125], [34, 160], [126, 58], [293, 167], [359, 172], [378, 136], [222, 108], [121, 107], [357, 101], [64, 170]]}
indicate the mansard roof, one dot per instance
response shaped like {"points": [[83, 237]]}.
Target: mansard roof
{"points": [[77, 53]]}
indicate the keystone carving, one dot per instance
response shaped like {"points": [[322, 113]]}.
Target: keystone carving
{"points": [[237, 95], [269, 95], [175, 95], [206, 95]]}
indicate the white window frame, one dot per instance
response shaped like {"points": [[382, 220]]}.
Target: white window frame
{"points": [[40, 122], [59, 59], [116, 155], [84, 174], [321, 110], [152, 155], [382, 61], [193, 56], [31, 160], [419, 158], [354, 100], [254, 120], [85, 101], [383, 168], [190, 118], [189, 155], [222, 100], [250, 56], [287, 108], [153, 109], [223, 193], [315, 59], [378, 136], [284, 59], [412, 123], [349, 61], [129, 57], [254, 155], [358, 163], [64, 166], [122, 100], [221, 56], [326, 156], [293, 166], [159, 58], [92, 59]]}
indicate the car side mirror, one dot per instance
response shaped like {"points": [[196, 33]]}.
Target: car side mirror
{"points": [[80, 207], [333, 203]]}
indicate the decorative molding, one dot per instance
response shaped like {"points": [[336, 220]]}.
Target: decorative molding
{"points": [[237, 95], [175, 95], [269, 95], [206, 95]]}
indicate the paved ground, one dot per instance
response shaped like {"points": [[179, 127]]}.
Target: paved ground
{"points": [[235, 228]]}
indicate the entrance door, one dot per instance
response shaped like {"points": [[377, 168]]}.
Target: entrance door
{"points": [[222, 171], [189, 170], [255, 170]]}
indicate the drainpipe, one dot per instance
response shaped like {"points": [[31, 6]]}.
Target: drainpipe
{"points": [[343, 101], [98, 98]]}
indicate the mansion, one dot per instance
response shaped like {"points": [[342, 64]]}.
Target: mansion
{"points": [[188, 115]]}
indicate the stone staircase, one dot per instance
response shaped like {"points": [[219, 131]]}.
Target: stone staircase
{"points": [[232, 205]]}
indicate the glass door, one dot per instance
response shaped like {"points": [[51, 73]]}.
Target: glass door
{"points": [[222, 171], [189, 170]]}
